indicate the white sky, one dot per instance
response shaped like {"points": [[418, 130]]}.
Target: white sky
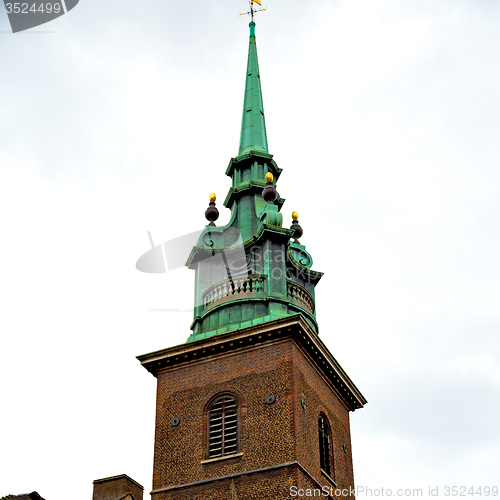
{"points": [[121, 117]]}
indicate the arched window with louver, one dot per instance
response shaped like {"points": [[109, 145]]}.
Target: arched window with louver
{"points": [[325, 445], [223, 426]]}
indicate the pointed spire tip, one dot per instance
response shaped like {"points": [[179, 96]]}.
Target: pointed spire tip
{"points": [[253, 135]]}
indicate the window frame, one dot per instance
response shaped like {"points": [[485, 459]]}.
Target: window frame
{"points": [[326, 456], [234, 448]]}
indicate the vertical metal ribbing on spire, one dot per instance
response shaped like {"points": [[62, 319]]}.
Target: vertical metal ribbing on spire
{"points": [[253, 124]]}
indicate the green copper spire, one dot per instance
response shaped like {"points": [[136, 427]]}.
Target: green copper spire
{"points": [[249, 271], [253, 125]]}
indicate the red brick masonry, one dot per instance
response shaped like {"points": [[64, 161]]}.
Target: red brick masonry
{"points": [[278, 442]]}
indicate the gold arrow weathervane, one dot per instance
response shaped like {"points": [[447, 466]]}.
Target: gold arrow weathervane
{"points": [[253, 11]]}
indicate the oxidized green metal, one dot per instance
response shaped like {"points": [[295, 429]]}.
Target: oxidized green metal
{"points": [[253, 125], [249, 271]]}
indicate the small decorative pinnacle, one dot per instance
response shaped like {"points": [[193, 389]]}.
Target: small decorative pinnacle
{"points": [[295, 225], [211, 213], [269, 193]]}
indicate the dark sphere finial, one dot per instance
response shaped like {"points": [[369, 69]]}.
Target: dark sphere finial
{"points": [[295, 226], [269, 193], [211, 213]]}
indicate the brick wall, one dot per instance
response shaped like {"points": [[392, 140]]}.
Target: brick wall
{"points": [[271, 485], [112, 488], [266, 433], [270, 434], [319, 398]]}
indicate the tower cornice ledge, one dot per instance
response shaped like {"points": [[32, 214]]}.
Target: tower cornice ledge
{"points": [[250, 187], [252, 156], [294, 327]]}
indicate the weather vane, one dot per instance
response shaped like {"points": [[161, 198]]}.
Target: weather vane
{"points": [[253, 11]]}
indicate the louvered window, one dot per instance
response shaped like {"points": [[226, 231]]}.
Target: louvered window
{"points": [[223, 427], [325, 445]]}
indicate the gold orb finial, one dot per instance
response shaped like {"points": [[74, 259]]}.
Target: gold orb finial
{"points": [[295, 215], [211, 198], [269, 177]]}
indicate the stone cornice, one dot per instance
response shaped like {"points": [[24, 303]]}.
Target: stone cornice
{"points": [[262, 470], [294, 327]]}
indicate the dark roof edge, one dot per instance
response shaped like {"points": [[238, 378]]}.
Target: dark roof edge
{"points": [[119, 476]]}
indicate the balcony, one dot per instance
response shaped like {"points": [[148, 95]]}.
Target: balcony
{"points": [[253, 286]]}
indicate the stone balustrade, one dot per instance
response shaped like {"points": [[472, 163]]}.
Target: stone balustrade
{"points": [[300, 296], [234, 288], [249, 286]]}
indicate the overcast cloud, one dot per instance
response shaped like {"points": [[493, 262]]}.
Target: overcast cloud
{"points": [[384, 116]]}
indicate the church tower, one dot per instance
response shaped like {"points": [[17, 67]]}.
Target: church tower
{"points": [[253, 406]]}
